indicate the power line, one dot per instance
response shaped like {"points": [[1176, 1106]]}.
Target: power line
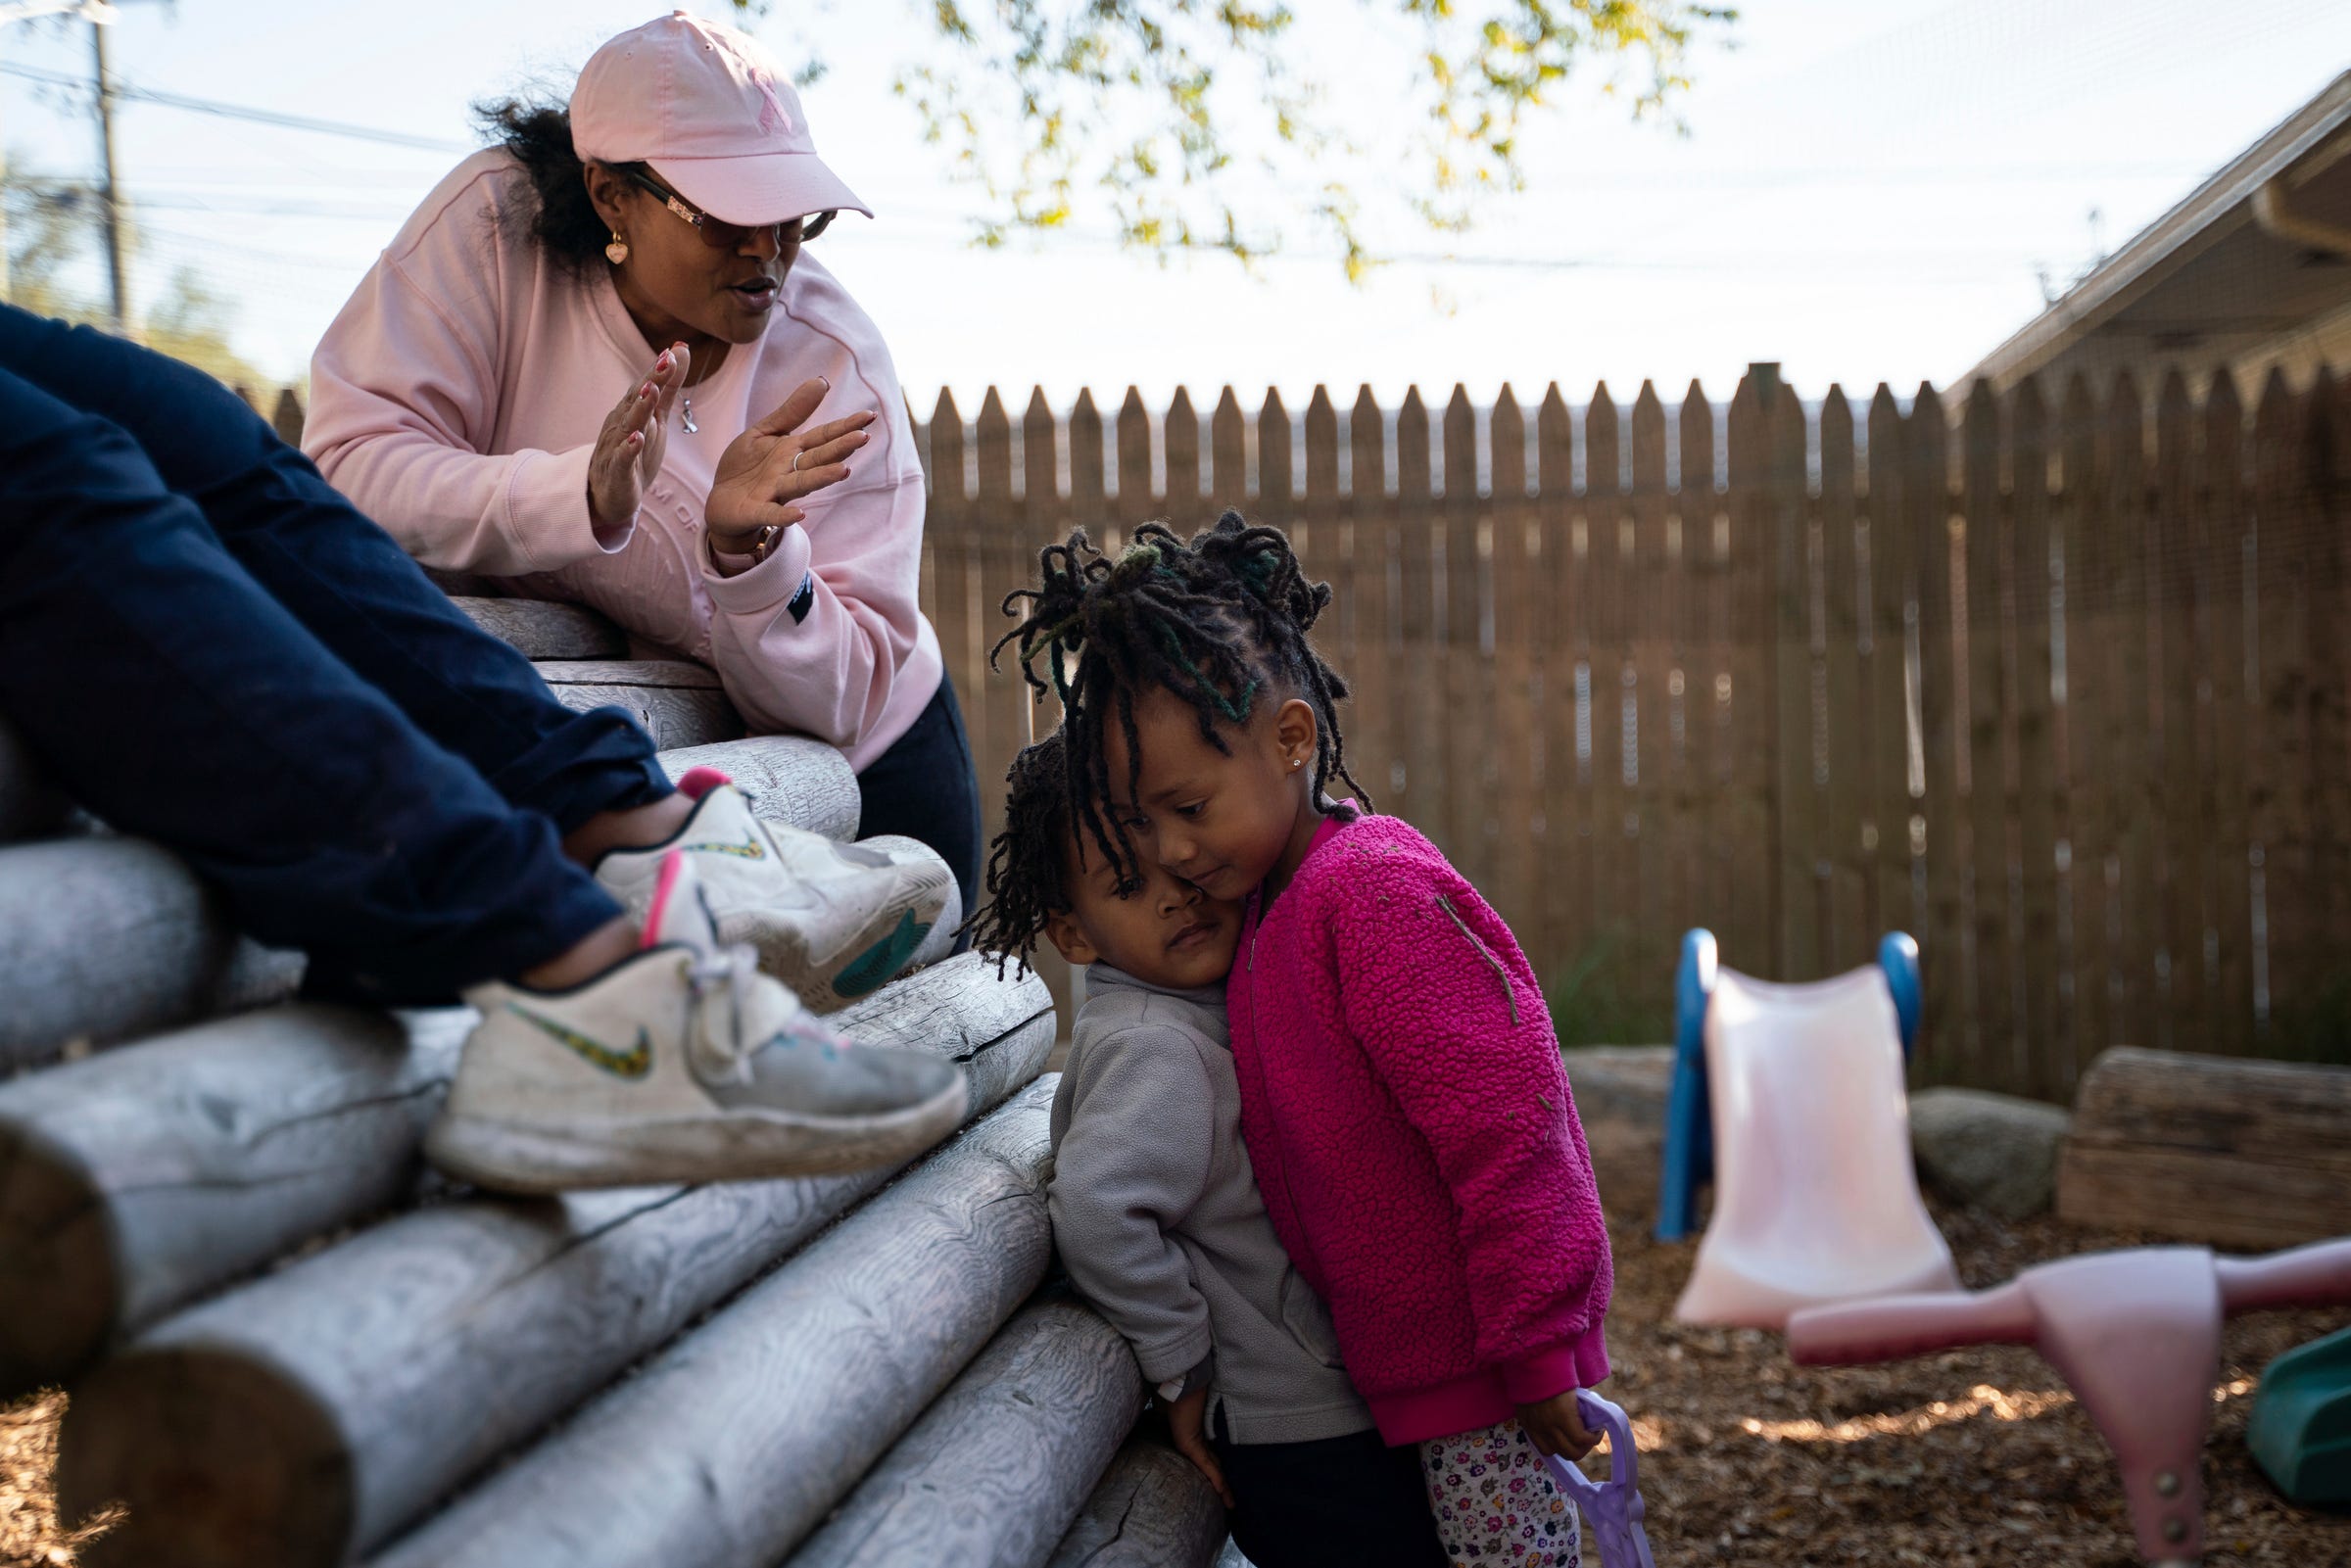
{"points": [[258, 117]]}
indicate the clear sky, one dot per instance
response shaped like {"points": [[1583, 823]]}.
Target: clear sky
{"points": [[1868, 190]]}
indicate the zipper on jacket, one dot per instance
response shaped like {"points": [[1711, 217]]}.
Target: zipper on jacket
{"points": [[1297, 1210]]}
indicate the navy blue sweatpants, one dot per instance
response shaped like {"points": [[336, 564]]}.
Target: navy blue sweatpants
{"points": [[207, 645]]}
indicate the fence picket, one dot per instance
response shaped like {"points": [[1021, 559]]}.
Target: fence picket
{"points": [[1467, 675], [1137, 502], [1705, 666], [1786, 537], [1229, 458], [1373, 560], [2039, 955], [1519, 862], [2176, 599], [1567, 851], [2279, 745], [1605, 522], [1837, 710], [2130, 716], [2086, 534], [2228, 836], [1182, 426], [1927, 500], [1658, 908], [1893, 904], [1415, 601]]}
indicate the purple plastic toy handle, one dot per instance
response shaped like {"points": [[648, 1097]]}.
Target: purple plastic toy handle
{"points": [[1611, 1507]]}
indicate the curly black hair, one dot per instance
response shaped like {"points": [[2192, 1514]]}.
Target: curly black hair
{"points": [[564, 220], [1025, 862], [1216, 621]]}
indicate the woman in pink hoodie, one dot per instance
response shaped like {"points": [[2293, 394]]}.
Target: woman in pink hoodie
{"points": [[597, 363], [1402, 1093]]}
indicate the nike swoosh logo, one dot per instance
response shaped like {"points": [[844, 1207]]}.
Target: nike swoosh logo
{"points": [[750, 849], [634, 1062]]}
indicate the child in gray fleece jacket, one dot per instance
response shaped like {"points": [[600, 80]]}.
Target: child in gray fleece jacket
{"points": [[1156, 1211]]}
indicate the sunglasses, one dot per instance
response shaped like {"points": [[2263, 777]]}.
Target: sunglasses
{"points": [[719, 234]]}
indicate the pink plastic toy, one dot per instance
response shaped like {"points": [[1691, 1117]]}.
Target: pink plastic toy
{"points": [[2137, 1334]]}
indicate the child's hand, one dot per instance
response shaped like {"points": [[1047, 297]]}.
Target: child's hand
{"points": [[1188, 1419], [1557, 1426]]}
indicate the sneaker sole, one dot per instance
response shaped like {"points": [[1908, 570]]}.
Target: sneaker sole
{"points": [[724, 1146], [868, 961]]}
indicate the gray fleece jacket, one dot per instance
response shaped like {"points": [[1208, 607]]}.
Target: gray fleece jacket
{"points": [[1158, 1218]]}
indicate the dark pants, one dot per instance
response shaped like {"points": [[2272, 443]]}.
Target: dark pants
{"points": [[924, 787], [1341, 1502], [208, 647]]}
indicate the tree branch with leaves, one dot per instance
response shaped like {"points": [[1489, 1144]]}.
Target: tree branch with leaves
{"points": [[1217, 125]]}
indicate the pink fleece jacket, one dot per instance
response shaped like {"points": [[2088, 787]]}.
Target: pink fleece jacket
{"points": [[457, 398], [1402, 1100]]}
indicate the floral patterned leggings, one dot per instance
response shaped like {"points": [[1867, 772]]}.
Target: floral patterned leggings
{"points": [[1495, 1502]]}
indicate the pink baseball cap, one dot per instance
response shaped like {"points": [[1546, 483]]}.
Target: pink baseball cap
{"points": [[717, 117]]}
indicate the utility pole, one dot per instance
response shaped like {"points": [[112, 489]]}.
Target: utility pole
{"points": [[107, 193]]}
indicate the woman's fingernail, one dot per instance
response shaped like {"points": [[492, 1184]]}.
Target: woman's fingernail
{"points": [[664, 362], [636, 438], [821, 382]]}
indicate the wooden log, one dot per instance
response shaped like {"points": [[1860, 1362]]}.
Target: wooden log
{"points": [[1153, 1509], [994, 1475], [545, 629], [750, 1428], [134, 1181], [2211, 1149], [680, 675], [680, 704], [29, 805], [104, 939], [790, 779], [305, 1417], [672, 717]]}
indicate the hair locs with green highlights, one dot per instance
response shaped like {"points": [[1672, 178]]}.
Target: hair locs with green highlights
{"points": [[1217, 621]]}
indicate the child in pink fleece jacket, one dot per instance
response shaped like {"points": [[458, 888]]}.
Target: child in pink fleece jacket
{"points": [[1402, 1094]]}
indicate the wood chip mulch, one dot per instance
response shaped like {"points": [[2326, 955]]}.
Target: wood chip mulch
{"points": [[1972, 1460]]}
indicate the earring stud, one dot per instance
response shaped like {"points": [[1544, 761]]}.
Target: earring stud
{"points": [[618, 251]]}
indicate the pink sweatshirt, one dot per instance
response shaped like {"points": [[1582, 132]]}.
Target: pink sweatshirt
{"points": [[459, 393], [1402, 1100]]}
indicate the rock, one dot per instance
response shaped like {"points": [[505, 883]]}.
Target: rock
{"points": [[1992, 1151], [1620, 1096]]}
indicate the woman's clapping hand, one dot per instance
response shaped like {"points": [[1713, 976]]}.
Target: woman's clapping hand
{"points": [[775, 463], [630, 446]]}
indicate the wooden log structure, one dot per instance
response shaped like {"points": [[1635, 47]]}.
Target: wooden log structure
{"points": [[305, 1417], [750, 1428], [141, 1177], [545, 629], [680, 704], [141, 945], [105, 939], [1153, 1509], [789, 779], [2223, 1150], [28, 805], [995, 1472]]}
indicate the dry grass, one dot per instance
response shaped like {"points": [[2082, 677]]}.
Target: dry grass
{"points": [[1974, 1460], [30, 1534]]}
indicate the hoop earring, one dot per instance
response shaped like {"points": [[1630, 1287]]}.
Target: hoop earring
{"points": [[618, 251]]}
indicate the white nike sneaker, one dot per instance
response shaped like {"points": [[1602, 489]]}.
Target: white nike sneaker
{"points": [[832, 921], [683, 1064]]}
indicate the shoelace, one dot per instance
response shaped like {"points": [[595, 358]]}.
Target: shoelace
{"points": [[736, 970]]}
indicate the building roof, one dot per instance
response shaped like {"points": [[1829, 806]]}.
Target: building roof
{"points": [[2260, 251]]}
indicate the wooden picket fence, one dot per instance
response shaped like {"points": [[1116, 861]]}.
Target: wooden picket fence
{"points": [[2059, 688]]}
